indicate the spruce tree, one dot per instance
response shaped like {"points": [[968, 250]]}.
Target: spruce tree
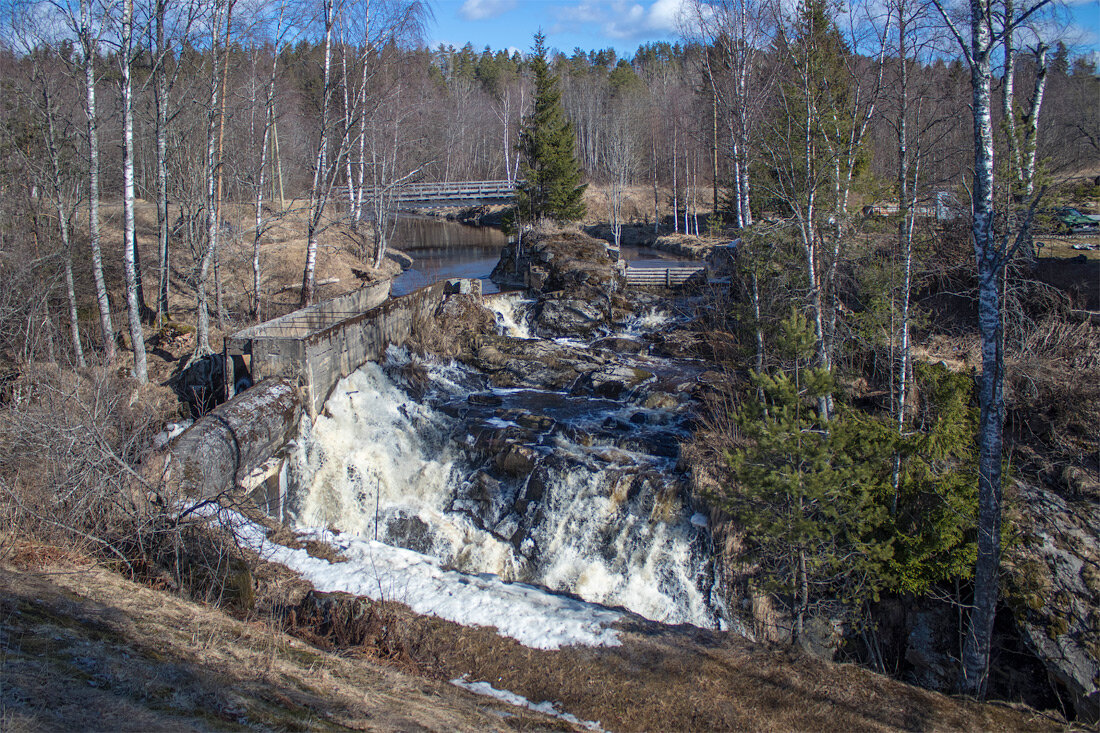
{"points": [[808, 491], [552, 176]]}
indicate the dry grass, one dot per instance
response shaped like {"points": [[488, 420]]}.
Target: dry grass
{"points": [[688, 679], [82, 648], [282, 258]]}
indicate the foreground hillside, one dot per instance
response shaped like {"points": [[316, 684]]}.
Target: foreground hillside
{"points": [[83, 647]]}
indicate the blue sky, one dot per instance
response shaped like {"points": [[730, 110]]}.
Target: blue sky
{"points": [[624, 24], [589, 24]]}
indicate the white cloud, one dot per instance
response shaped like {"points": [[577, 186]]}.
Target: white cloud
{"points": [[485, 9], [626, 20]]}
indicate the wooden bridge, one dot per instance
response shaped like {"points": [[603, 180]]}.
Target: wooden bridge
{"points": [[454, 193], [660, 277]]}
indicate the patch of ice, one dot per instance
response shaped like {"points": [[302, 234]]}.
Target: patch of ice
{"points": [[534, 617], [699, 520], [547, 708]]}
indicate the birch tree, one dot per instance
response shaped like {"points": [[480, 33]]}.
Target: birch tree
{"points": [[735, 31], [318, 191], [202, 337], [814, 146], [129, 243], [986, 25], [262, 160], [89, 29]]}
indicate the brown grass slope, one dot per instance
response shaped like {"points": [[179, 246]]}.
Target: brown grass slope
{"points": [[82, 648]]}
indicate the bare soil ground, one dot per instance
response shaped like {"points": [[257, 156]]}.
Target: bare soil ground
{"points": [[82, 648]]}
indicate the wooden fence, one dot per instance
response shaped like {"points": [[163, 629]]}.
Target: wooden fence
{"points": [[666, 277]]}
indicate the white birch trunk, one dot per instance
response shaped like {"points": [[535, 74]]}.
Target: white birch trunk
{"points": [[316, 195], [102, 300], [160, 94], [979, 634], [129, 244], [202, 340], [269, 123], [63, 224]]}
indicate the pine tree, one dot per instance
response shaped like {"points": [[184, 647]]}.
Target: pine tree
{"points": [[808, 493], [552, 176]]}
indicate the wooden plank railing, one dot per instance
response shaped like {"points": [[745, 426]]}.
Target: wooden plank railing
{"points": [[454, 191], [660, 276]]}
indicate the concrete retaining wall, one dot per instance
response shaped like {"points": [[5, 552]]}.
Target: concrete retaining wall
{"points": [[319, 346]]}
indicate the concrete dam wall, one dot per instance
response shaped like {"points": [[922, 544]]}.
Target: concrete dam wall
{"points": [[294, 362]]}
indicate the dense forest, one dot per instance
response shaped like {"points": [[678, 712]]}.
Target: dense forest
{"points": [[195, 105]]}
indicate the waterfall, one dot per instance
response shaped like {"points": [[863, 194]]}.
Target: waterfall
{"points": [[511, 311], [592, 518]]}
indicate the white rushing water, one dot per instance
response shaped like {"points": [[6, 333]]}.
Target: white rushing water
{"points": [[604, 523], [511, 311]]}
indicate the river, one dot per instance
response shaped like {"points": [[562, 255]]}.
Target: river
{"points": [[571, 485], [445, 249]]}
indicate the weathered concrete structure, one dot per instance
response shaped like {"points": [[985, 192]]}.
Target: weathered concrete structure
{"points": [[226, 447], [318, 346], [294, 362]]}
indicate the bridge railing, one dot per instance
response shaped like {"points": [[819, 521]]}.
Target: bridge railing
{"points": [[453, 191], [660, 276]]}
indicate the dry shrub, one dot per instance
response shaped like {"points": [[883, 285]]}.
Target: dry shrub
{"points": [[73, 449], [345, 623]]}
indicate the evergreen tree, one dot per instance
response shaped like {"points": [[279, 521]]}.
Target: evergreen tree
{"points": [[808, 492], [552, 176]]}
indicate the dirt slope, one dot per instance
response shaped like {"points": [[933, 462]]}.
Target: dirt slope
{"points": [[81, 648]]}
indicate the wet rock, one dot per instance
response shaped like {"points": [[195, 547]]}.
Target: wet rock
{"points": [[535, 487], [516, 460], [538, 423], [570, 316], [488, 399], [660, 444], [617, 457], [489, 440], [661, 401], [486, 500], [508, 527], [639, 418], [613, 380], [411, 533], [621, 344], [534, 363]]}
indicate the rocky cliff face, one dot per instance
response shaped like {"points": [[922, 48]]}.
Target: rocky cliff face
{"points": [[1054, 579]]}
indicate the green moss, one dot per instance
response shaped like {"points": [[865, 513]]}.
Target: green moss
{"points": [[1058, 626]]}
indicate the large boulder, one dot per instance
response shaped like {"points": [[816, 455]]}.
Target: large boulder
{"points": [[1054, 577], [558, 261], [583, 312]]}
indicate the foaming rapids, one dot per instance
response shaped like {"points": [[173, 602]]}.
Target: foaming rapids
{"points": [[582, 515], [511, 311]]}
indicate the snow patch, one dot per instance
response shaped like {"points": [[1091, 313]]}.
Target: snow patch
{"points": [[547, 708], [534, 617]]}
